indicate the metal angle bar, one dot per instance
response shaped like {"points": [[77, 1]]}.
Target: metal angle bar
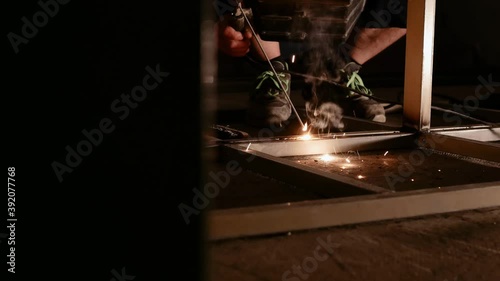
{"points": [[283, 218], [477, 134], [419, 64], [458, 128], [460, 146], [341, 143], [212, 142]]}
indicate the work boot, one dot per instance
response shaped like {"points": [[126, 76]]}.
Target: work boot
{"points": [[326, 103], [361, 105], [268, 103]]}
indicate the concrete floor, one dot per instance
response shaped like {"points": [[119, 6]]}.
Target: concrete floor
{"points": [[460, 246], [446, 247]]}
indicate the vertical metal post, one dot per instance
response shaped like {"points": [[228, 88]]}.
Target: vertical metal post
{"points": [[419, 64]]}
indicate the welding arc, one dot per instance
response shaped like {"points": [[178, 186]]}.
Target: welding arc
{"points": [[270, 64], [385, 100]]}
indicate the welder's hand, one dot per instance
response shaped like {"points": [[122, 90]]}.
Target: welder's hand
{"points": [[231, 42]]}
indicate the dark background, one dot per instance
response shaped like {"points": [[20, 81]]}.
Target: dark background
{"points": [[465, 46], [119, 207]]}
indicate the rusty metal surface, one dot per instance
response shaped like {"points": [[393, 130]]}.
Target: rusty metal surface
{"points": [[313, 180]]}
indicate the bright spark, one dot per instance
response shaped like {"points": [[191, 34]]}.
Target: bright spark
{"points": [[293, 58], [248, 146], [327, 157], [347, 160], [361, 177], [305, 137], [386, 152], [305, 127], [412, 179]]}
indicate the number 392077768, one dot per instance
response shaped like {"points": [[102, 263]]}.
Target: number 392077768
{"points": [[11, 171]]}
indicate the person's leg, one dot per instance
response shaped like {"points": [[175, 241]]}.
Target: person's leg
{"points": [[268, 104], [364, 45], [371, 41], [367, 44], [381, 24]]}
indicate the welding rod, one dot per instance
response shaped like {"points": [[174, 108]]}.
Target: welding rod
{"points": [[269, 61]]}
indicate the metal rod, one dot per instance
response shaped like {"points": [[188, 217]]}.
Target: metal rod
{"points": [[270, 64]]}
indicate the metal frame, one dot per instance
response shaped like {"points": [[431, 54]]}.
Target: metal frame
{"points": [[355, 201], [418, 64], [473, 143], [365, 202], [333, 143], [283, 218]]}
